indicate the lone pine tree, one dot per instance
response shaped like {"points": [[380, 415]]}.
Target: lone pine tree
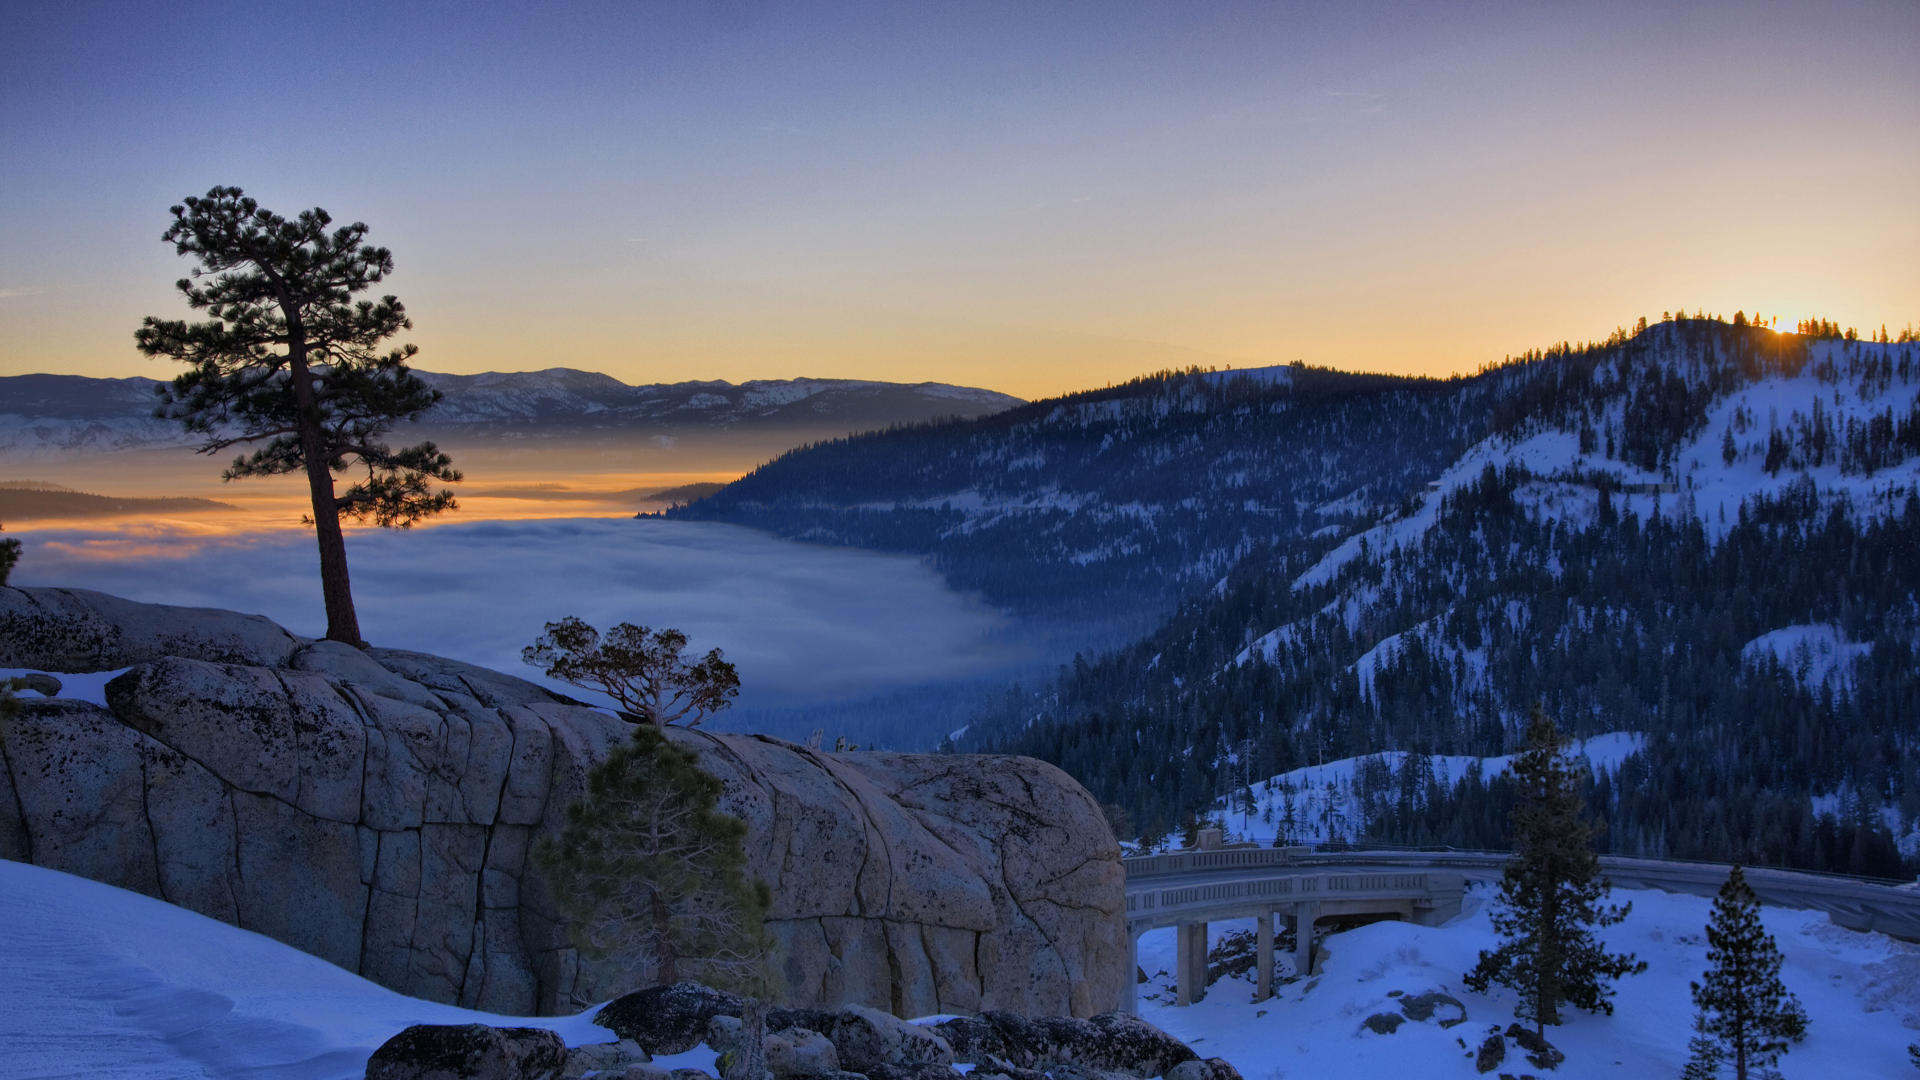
{"points": [[1550, 895], [291, 360], [651, 875], [1745, 1014]]}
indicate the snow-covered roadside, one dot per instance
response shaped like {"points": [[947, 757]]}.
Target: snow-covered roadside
{"points": [[1862, 992]]}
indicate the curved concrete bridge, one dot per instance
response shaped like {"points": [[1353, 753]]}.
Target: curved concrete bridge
{"points": [[1188, 889]]}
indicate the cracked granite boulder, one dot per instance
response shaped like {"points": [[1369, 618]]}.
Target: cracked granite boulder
{"points": [[378, 809]]}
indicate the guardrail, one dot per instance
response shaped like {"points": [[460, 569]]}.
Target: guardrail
{"points": [[1857, 903], [1295, 887]]}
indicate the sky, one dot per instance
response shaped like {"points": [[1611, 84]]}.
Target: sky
{"points": [[1035, 198]]}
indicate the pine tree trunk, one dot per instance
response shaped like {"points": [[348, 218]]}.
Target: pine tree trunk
{"points": [[335, 587], [663, 940]]}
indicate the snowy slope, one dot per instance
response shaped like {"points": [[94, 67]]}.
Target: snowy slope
{"points": [[105, 982], [1861, 992], [1327, 801], [102, 982], [1817, 655]]}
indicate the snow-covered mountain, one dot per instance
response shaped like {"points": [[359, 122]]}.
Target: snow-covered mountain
{"points": [[63, 414], [1703, 532]]}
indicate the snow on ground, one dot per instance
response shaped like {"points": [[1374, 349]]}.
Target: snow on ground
{"points": [[1318, 817], [1716, 487], [103, 982], [82, 686], [1818, 655], [1861, 992]]}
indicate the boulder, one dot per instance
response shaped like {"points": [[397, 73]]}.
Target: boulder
{"points": [[868, 1038], [608, 1059], [468, 1052], [1204, 1069], [1082, 1072], [973, 1038], [923, 1070], [82, 630], [798, 1051], [819, 1020], [668, 1019], [1110, 1042], [39, 682], [1128, 1044], [379, 809], [1493, 1051], [1541, 1053]]}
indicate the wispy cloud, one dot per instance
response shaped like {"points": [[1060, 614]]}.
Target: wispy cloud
{"points": [[9, 294]]}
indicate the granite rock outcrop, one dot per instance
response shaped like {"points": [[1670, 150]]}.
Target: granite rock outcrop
{"points": [[378, 809]]}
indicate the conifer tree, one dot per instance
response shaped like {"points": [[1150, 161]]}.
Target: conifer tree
{"points": [[650, 874], [9, 556], [1744, 1010], [1550, 895], [644, 670], [291, 360]]}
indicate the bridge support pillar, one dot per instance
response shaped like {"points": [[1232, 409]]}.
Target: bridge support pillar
{"points": [[1129, 1002], [1263, 958], [1190, 962], [1304, 915]]}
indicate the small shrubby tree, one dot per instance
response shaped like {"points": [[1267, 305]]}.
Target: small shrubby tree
{"points": [[649, 872], [1550, 895], [1745, 1015], [290, 360], [9, 556], [643, 670]]}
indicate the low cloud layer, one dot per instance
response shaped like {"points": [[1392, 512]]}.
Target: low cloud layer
{"points": [[802, 623]]}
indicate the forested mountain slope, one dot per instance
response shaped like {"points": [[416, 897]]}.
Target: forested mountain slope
{"points": [[1705, 534], [1119, 500]]}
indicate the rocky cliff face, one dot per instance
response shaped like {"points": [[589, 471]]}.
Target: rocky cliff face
{"points": [[377, 809]]}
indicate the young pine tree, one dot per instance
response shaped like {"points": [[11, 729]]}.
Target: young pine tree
{"points": [[1550, 896], [649, 873], [1745, 1014], [9, 555]]}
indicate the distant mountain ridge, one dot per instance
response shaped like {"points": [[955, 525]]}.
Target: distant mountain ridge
{"points": [[71, 413], [1114, 502]]}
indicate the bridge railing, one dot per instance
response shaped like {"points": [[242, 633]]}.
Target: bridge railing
{"points": [[1250, 857], [1306, 886]]}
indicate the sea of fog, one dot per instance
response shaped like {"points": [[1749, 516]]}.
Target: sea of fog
{"points": [[803, 624]]}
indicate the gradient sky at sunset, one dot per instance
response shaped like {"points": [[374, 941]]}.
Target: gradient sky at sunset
{"points": [[1031, 197]]}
